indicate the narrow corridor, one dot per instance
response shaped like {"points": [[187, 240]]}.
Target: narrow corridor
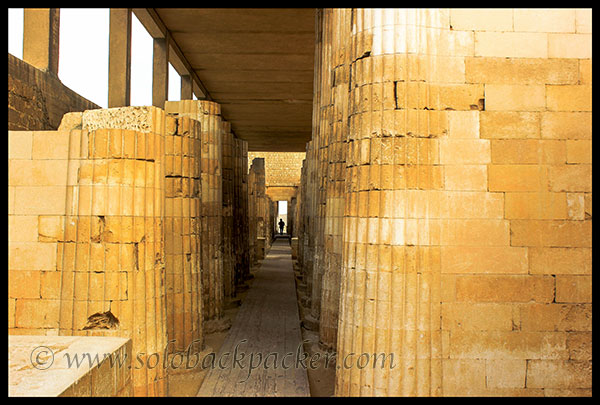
{"points": [[259, 355], [431, 167]]}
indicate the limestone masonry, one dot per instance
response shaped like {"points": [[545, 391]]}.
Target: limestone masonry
{"points": [[440, 215]]}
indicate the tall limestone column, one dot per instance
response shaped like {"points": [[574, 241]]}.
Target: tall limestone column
{"points": [[111, 256], [338, 25], [259, 209], [182, 234], [466, 232], [311, 250], [252, 230], [301, 217], [228, 225], [390, 292], [238, 216], [246, 260], [211, 126], [241, 236], [321, 133], [309, 221]]}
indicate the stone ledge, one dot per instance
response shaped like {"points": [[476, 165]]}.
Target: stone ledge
{"points": [[52, 375]]}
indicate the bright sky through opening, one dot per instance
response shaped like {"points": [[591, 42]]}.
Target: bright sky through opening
{"points": [[83, 55]]}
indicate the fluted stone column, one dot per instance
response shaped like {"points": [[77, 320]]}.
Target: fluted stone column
{"points": [[301, 222], [252, 230], [309, 219], [390, 292], [321, 152], [259, 209], [182, 234], [272, 219], [228, 218], [246, 261], [111, 258], [337, 24], [211, 126], [240, 211]]}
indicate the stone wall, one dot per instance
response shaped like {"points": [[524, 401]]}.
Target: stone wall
{"points": [[282, 178], [443, 211], [281, 168], [86, 232], [37, 100]]}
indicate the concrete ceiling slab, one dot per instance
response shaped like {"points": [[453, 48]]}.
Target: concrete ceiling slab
{"points": [[256, 63]]}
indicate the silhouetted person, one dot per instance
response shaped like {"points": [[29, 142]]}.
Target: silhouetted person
{"points": [[281, 225]]}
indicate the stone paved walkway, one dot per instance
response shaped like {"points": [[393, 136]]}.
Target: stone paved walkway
{"points": [[260, 355]]}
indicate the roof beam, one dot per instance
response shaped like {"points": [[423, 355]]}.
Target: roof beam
{"points": [[157, 29]]}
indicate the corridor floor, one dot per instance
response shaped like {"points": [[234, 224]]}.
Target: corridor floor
{"points": [[262, 354]]}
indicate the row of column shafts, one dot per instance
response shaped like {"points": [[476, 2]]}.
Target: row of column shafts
{"points": [[387, 237], [148, 247], [416, 200]]}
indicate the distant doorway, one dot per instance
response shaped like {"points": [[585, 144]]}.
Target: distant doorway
{"points": [[282, 208]]}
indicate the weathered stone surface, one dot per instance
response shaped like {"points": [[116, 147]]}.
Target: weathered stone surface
{"points": [[465, 188], [104, 241], [37, 100], [442, 214], [55, 372], [211, 208], [182, 234]]}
